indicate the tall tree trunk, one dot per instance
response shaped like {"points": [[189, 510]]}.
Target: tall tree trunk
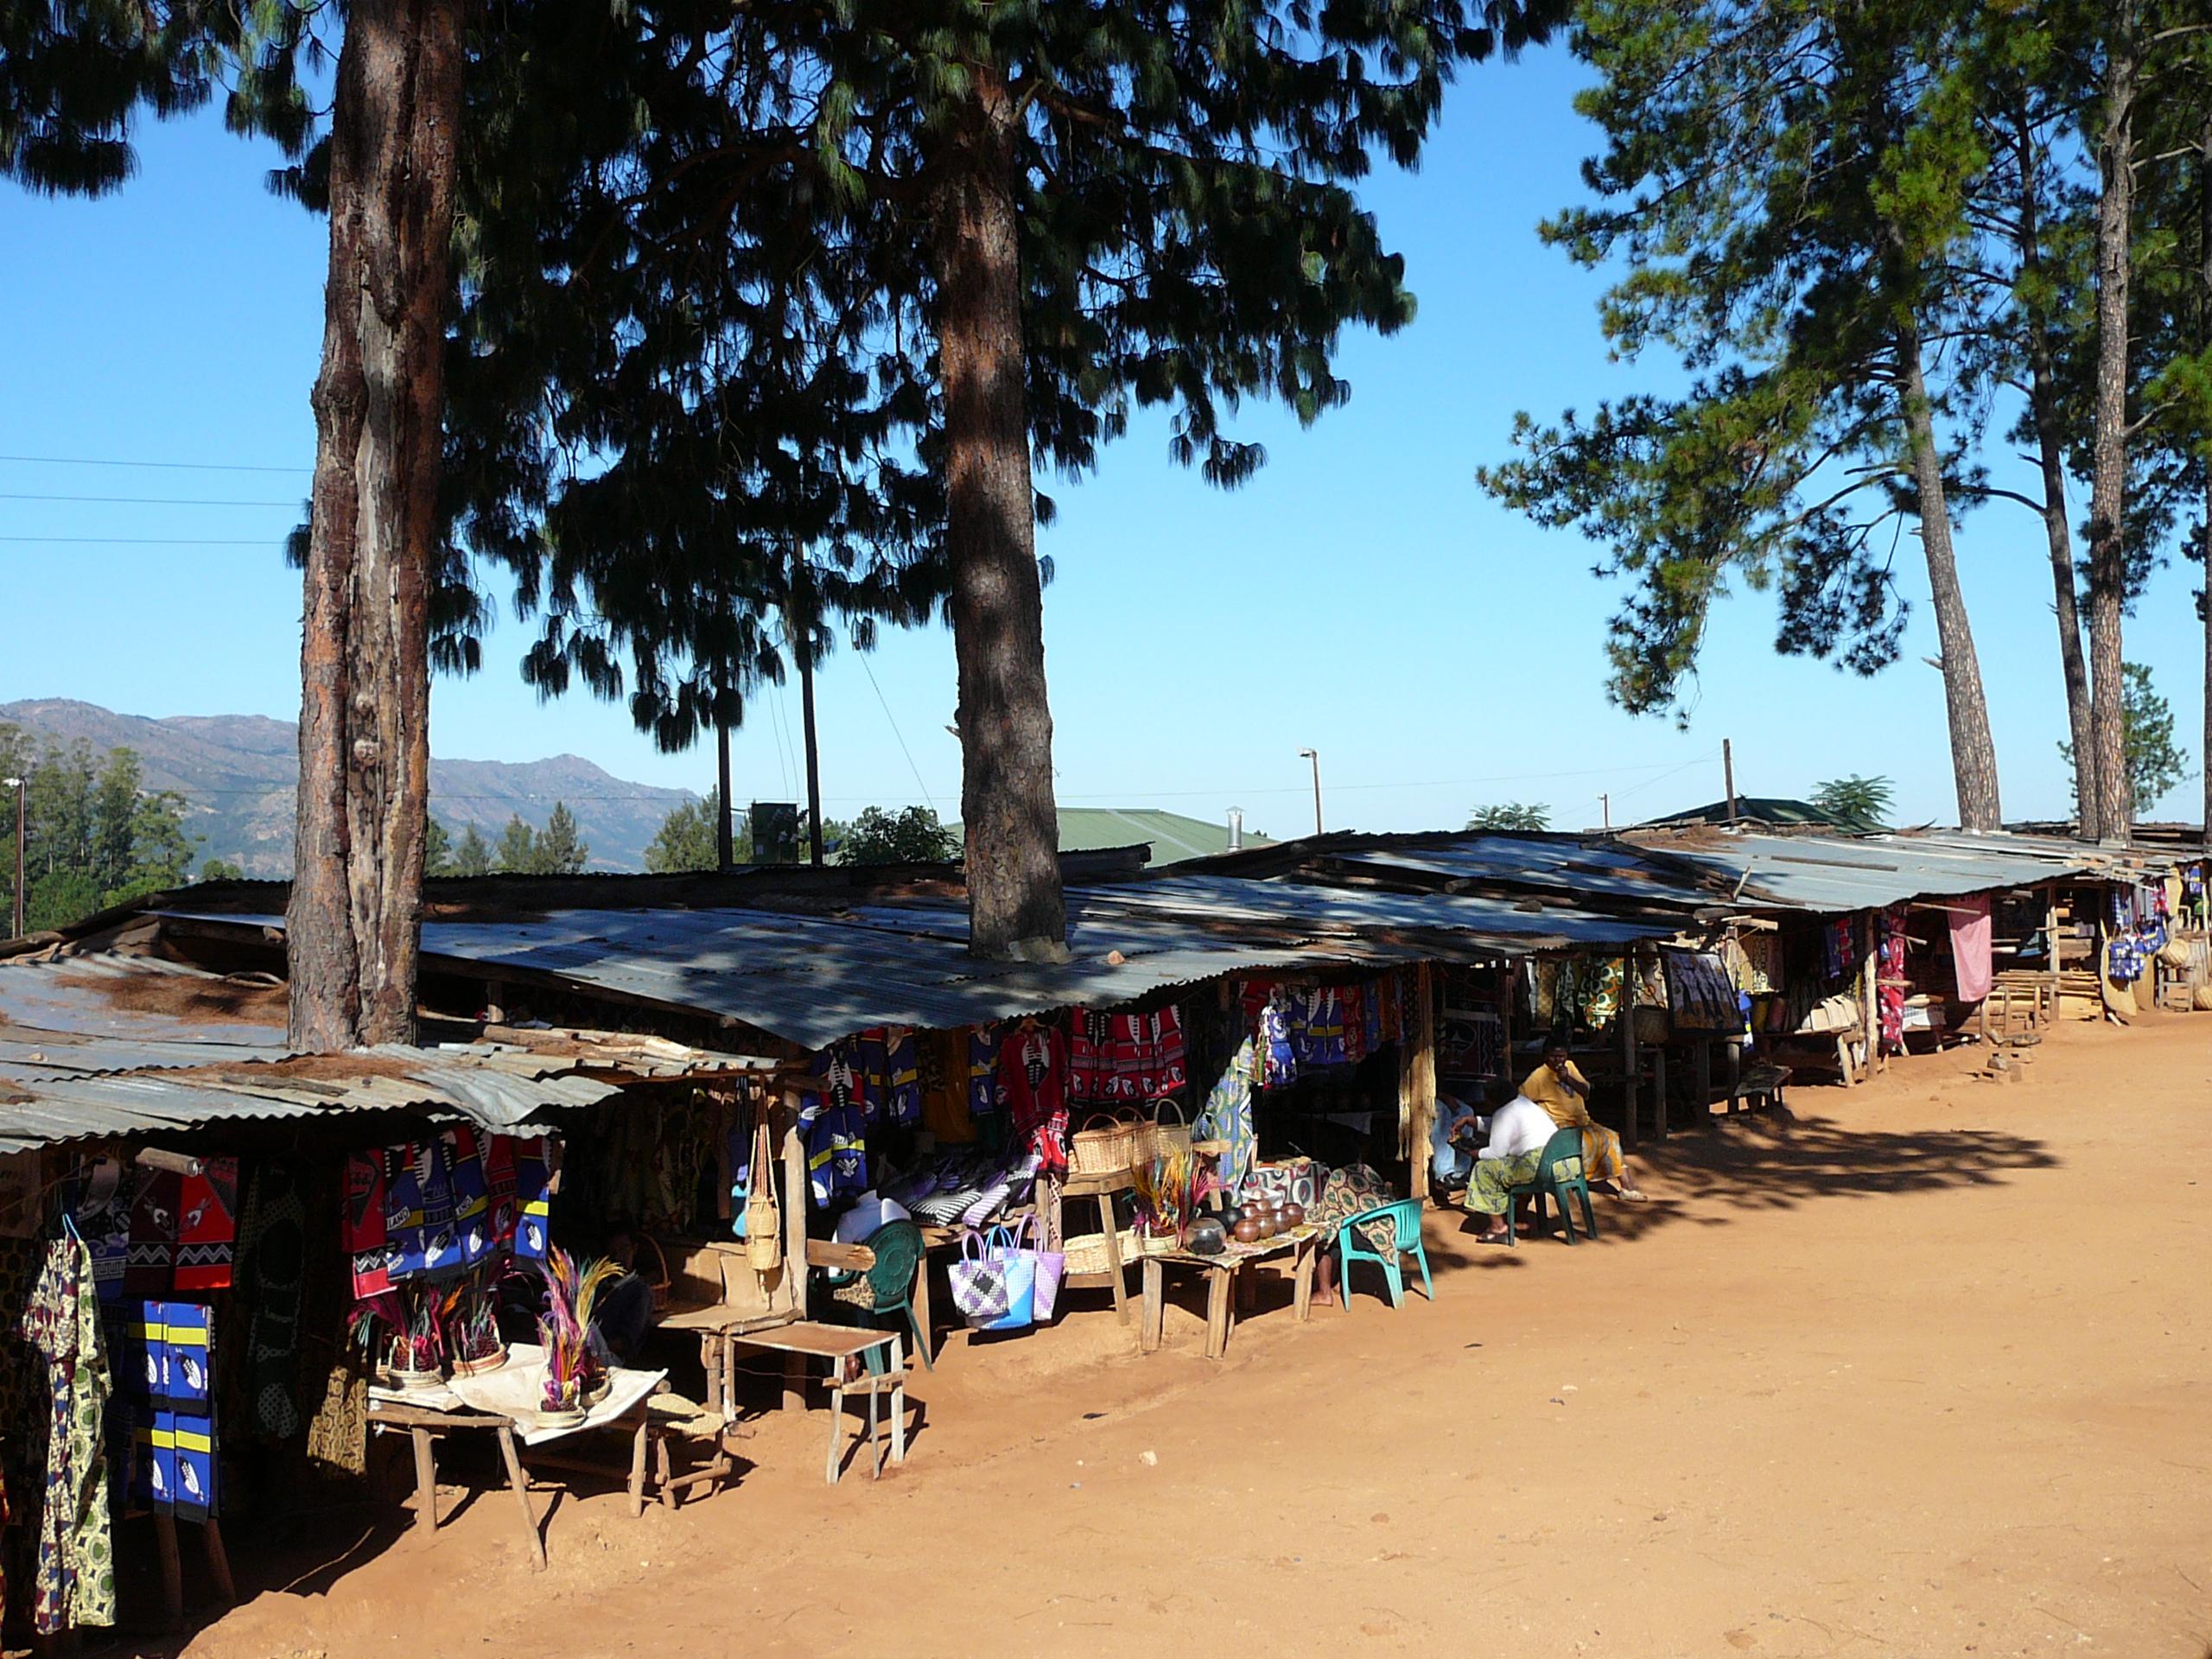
{"points": [[1014, 903], [2108, 455], [2050, 447], [2204, 340], [353, 929], [1974, 755]]}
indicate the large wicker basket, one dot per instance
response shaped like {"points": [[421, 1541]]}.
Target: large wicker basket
{"points": [[1102, 1146], [1086, 1252], [1162, 1137]]}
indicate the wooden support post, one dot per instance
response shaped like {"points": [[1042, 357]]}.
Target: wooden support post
{"points": [[1659, 1091], [1629, 1079], [520, 1485], [426, 1482], [1703, 1078], [1155, 1311], [794, 1202], [1870, 1012], [1220, 1316], [1417, 1083], [1114, 1268], [172, 1571], [2050, 942]]}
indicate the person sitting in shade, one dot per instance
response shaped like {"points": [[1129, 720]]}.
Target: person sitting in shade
{"points": [[1561, 1089], [1453, 1134], [1518, 1131]]}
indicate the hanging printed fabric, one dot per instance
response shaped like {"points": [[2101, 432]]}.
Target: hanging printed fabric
{"points": [[502, 1211], [1033, 1083], [1890, 984], [1227, 1115], [193, 1436], [1370, 1011], [1132, 1053], [1700, 995], [903, 1063], [207, 1229], [152, 1263], [76, 1546], [189, 1347], [834, 1126], [983, 1070], [402, 1210], [1605, 983], [871, 1066], [1278, 1059], [104, 1222], [472, 1196], [1355, 1023], [441, 1254], [1170, 1056], [1317, 1025], [362, 1225], [1090, 1047], [533, 1167]]}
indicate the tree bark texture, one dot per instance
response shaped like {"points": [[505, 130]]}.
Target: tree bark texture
{"points": [[1015, 902], [2051, 447], [2204, 543], [353, 927], [2109, 454], [1974, 753]]}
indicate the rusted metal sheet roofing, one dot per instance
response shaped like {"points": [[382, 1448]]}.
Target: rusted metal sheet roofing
{"points": [[1835, 875]]}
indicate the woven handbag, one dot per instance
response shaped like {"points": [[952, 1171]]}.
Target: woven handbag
{"points": [[764, 1225]]}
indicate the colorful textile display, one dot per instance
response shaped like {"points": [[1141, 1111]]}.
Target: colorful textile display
{"points": [[1889, 985], [984, 1072], [362, 1223], [1227, 1115], [1700, 996], [1278, 1060], [76, 1554], [1970, 947], [833, 1125], [208, 1228], [103, 1213], [152, 1265], [1033, 1087], [1603, 982], [1838, 951], [1123, 1058], [1317, 1025], [272, 1267], [533, 1166]]}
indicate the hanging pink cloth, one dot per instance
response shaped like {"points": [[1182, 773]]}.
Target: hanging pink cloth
{"points": [[1970, 945]]}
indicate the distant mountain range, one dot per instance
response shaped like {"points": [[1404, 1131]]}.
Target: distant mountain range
{"points": [[237, 774]]}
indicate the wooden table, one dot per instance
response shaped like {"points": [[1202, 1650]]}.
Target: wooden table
{"points": [[423, 1425], [718, 1328], [806, 1339], [1224, 1271], [1115, 1278]]}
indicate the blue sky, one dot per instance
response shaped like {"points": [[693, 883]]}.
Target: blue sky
{"points": [[1361, 596]]}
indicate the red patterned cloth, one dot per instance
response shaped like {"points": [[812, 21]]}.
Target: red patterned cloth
{"points": [[208, 1228], [1032, 1086]]}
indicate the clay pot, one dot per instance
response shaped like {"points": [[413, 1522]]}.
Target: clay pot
{"points": [[1246, 1230], [1269, 1225], [1205, 1237], [1294, 1215]]}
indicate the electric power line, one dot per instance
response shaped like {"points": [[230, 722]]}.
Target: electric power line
{"points": [[162, 466], [896, 733], [150, 540], [144, 500]]}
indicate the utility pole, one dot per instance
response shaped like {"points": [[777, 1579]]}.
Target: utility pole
{"points": [[1314, 755], [725, 842], [23, 840], [1728, 774], [1606, 806], [813, 755]]}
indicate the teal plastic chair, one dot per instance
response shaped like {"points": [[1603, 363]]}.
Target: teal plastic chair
{"points": [[1558, 1173], [886, 1291], [1405, 1218]]}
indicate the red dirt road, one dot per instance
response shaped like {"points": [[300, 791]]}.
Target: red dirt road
{"points": [[1921, 1369]]}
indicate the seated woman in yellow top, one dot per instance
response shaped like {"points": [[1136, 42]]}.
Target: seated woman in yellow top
{"points": [[1564, 1093]]}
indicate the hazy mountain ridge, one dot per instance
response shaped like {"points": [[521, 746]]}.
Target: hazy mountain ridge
{"points": [[237, 774]]}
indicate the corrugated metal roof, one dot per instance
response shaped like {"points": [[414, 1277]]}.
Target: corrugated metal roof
{"points": [[1481, 926], [1833, 875], [99, 1108], [1612, 870]]}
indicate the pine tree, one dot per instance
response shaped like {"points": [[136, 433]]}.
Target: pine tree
{"points": [[561, 850], [685, 840], [1147, 206], [517, 851], [1785, 183], [471, 855], [437, 849]]}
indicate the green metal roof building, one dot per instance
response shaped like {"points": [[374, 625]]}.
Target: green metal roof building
{"points": [[1171, 836]]}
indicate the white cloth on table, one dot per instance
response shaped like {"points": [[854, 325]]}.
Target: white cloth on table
{"points": [[516, 1390]]}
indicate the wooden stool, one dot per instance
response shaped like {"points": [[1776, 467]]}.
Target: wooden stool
{"points": [[665, 1484], [892, 1382]]}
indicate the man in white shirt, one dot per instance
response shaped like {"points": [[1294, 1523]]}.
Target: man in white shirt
{"points": [[1452, 1133], [1518, 1131]]}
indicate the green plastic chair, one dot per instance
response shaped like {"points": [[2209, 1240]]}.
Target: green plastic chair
{"points": [[1404, 1217], [1560, 1174], [887, 1290]]}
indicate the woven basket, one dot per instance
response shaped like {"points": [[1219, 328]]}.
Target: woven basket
{"points": [[657, 1279], [1157, 1243], [1102, 1149], [1086, 1253], [1163, 1138]]}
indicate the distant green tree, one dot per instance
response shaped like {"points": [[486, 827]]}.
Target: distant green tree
{"points": [[517, 852], [2155, 761], [94, 835], [221, 870], [562, 850], [1856, 803], [437, 849], [471, 855], [911, 835], [685, 840], [1512, 815]]}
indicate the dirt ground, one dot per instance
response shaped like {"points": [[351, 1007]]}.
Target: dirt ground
{"points": [[1917, 1369]]}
